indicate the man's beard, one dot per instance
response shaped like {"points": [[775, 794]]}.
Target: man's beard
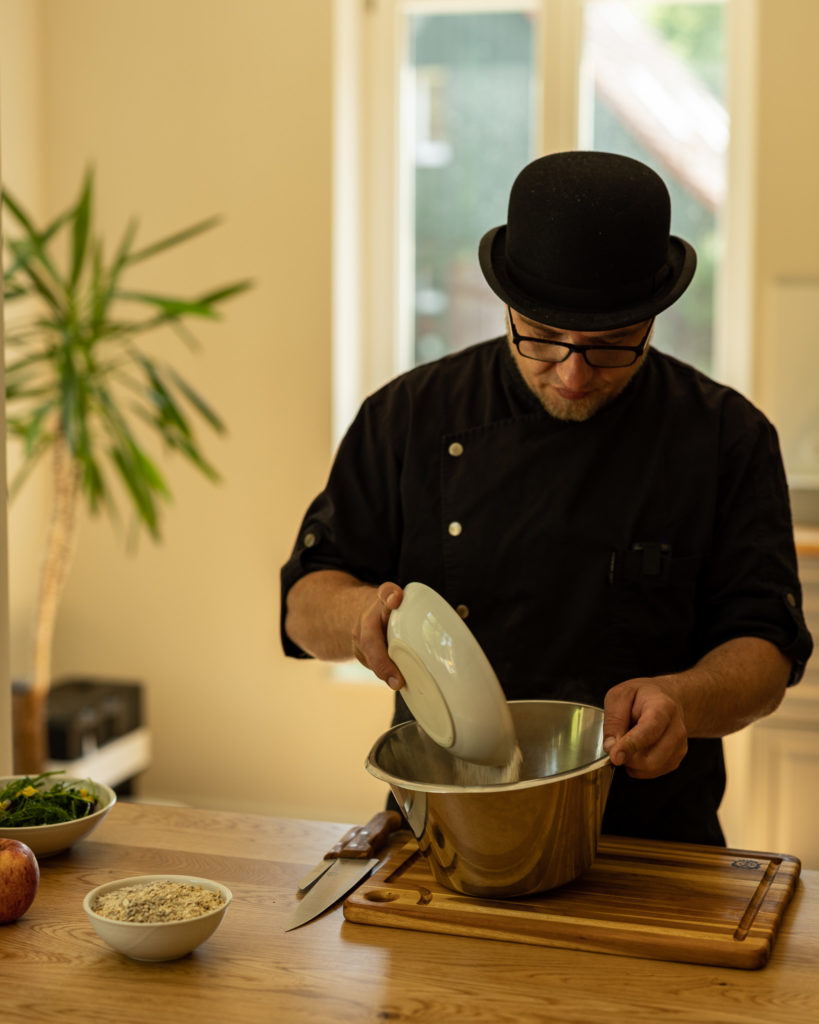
{"points": [[581, 409]]}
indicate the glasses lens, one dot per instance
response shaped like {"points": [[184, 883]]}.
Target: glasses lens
{"points": [[610, 357], [542, 350]]}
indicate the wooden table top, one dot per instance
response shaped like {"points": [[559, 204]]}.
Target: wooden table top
{"points": [[54, 968]]}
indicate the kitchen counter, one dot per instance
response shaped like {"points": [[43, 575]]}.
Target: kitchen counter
{"points": [[56, 969]]}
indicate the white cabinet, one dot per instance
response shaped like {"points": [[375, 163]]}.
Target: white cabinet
{"points": [[773, 766]]}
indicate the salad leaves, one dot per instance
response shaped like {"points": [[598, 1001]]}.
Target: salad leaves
{"points": [[36, 800]]}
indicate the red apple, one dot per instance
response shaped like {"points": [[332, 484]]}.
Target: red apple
{"points": [[19, 879]]}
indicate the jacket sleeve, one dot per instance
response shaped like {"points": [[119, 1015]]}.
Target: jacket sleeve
{"points": [[354, 524], [752, 582]]}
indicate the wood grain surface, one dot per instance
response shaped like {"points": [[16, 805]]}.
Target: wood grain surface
{"points": [[55, 970], [663, 901]]}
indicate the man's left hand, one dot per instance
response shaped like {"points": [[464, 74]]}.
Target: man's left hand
{"points": [[644, 729]]}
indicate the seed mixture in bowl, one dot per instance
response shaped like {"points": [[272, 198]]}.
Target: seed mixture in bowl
{"points": [[154, 902]]}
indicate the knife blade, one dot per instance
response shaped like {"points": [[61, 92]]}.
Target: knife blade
{"points": [[359, 842], [349, 863]]}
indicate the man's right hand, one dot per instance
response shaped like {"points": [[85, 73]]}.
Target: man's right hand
{"points": [[333, 616], [370, 635]]}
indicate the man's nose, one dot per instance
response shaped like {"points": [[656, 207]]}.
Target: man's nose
{"points": [[575, 371]]}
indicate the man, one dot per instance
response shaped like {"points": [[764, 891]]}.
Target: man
{"points": [[613, 526]]}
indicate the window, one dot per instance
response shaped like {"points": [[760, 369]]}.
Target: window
{"points": [[653, 87], [471, 79], [442, 104]]}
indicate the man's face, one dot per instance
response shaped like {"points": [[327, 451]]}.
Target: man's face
{"points": [[573, 390]]}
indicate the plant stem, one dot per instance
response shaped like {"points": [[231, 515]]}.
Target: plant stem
{"points": [[59, 551]]}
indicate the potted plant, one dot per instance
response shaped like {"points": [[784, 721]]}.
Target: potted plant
{"points": [[81, 390]]}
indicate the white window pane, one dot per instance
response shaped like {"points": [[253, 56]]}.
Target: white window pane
{"points": [[470, 84], [652, 88]]}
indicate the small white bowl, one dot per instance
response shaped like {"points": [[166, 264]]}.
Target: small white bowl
{"points": [[450, 686], [156, 941], [46, 840]]}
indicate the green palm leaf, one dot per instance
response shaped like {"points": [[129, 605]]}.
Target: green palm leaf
{"points": [[77, 373], [80, 229], [173, 240]]}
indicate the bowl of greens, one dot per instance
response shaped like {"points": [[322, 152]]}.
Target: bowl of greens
{"points": [[50, 812]]}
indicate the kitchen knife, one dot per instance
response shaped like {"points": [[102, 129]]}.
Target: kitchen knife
{"points": [[344, 866], [360, 842]]}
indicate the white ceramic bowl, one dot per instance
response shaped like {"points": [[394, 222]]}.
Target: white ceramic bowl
{"points": [[46, 840], [165, 940], [450, 687]]}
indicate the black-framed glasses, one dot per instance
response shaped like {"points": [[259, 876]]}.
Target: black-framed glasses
{"points": [[606, 356]]}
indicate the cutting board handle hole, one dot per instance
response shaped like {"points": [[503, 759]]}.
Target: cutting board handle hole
{"points": [[381, 895]]}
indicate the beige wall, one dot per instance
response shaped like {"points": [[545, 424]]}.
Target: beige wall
{"points": [[192, 107], [786, 285], [788, 142], [188, 108]]}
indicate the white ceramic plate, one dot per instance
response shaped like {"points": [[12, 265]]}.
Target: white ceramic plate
{"points": [[450, 687], [45, 840]]}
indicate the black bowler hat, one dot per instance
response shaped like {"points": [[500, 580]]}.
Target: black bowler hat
{"points": [[587, 243]]}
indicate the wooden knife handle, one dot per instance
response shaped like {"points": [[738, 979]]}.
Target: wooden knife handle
{"points": [[364, 840]]}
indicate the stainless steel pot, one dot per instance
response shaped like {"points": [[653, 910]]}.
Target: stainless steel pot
{"points": [[513, 838]]}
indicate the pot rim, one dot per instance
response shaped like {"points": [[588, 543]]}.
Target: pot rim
{"points": [[493, 787]]}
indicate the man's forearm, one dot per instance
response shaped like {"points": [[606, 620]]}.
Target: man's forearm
{"points": [[733, 685], [322, 609]]}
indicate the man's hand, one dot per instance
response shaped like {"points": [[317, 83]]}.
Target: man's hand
{"points": [[370, 635], [648, 722], [644, 727], [334, 616]]}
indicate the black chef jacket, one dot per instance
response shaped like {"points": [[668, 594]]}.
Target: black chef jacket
{"points": [[581, 554]]}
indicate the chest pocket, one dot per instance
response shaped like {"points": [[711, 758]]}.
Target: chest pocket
{"points": [[652, 605]]}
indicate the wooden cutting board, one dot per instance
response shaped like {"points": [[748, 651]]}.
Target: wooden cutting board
{"points": [[661, 901]]}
